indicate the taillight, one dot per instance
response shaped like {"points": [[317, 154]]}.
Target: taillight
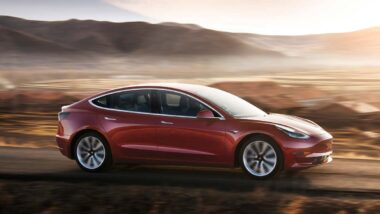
{"points": [[62, 115]]}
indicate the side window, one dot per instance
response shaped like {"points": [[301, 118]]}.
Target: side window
{"points": [[101, 101], [137, 100], [178, 104], [172, 100]]}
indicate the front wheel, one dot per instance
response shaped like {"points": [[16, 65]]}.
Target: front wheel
{"points": [[92, 152], [260, 157]]}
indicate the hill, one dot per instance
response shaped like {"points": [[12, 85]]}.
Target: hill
{"points": [[174, 39], [126, 38], [362, 43], [12, 41]]}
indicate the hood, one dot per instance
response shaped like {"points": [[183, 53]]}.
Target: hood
{"points": [[298, 123]]}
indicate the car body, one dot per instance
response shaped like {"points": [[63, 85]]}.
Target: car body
{"points": [[172, 123]]}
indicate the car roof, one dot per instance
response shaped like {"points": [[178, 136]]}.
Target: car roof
{"points": [[191, 88]]}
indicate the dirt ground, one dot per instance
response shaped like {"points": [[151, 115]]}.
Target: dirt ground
{"points": [[57, 197]]}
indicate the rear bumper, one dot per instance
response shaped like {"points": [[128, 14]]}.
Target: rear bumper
{"points": [[64, 146]]}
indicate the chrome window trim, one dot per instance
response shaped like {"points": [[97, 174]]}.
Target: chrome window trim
{"points": [[147, 113]]}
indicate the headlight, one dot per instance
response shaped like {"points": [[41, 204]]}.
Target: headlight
{"points": [[292, 132]]}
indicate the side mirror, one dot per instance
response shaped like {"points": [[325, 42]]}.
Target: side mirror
{"points": [[205, 113]]}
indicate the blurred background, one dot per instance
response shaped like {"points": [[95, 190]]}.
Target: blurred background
{"points": [[315, 59]]}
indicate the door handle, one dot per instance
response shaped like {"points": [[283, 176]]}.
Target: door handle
{"points": [[166, 122], [109, 118]]}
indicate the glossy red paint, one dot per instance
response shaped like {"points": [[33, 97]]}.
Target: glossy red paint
{"points": [[201, 140]]}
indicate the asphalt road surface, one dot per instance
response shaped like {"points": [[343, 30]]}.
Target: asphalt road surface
{"points": [[342, 175]]}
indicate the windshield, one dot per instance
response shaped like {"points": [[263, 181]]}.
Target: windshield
{"points": [[230, 103]]}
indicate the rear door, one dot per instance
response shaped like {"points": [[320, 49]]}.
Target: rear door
{"points": [[129, 123]]}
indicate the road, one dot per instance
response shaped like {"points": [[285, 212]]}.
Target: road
{"points": [[342, 175]]}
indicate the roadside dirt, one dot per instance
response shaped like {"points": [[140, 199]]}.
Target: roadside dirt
{"points": [[56, 197]]}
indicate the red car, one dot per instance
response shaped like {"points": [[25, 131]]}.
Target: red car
{"points": [[190, 125]]}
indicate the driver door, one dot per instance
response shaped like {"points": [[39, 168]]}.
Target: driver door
{"points": [[184, 138]]}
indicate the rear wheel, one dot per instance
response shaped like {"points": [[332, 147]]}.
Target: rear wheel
{"points": [[260, 157], [92, 152]]}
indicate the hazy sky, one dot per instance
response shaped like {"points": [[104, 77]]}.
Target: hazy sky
{"points": [[68, 9], [254, 16]]}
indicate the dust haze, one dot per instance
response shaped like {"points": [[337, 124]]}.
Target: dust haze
{"points": [[333, 79]]}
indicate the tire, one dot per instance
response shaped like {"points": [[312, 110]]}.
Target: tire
{"points": [[92, 152], [260, 157]]}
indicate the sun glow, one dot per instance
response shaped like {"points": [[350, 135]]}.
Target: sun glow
{"points": [[287, 17]]}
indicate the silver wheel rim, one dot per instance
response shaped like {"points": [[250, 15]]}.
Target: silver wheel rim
{"points": [[91, 152], [259, 158]]}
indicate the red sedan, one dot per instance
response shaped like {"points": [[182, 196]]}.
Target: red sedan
{"points": [[187, 124]]}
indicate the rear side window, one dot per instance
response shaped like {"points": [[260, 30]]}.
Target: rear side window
{"points": [[101, 101], [137, 101]]}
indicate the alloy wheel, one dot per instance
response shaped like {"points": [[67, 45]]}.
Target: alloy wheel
{"points": [[91, 152], [259, 158]]}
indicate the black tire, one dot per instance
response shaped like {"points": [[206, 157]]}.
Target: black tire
{"points": [[278, 155], [105, 164]]}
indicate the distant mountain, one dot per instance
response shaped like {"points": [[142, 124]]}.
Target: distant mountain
{"points": [[13, 41], [172, 39], [140, 38], [362, 43]]}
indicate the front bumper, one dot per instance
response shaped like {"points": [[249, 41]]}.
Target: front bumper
{"points": [[318, 154], [312, 160]]}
